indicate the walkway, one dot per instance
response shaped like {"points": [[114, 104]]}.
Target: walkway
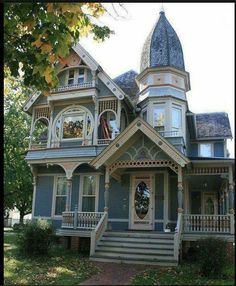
{"points": [[114, 273]]}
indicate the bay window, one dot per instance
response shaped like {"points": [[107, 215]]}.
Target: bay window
{"points": [[176, 119]]}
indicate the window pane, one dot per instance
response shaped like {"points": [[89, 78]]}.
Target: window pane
{"points": [[159, 116], [80, 80], [89, 185], [60, 205], [205, 150], [81, 71], [176, 118], [71, 73], [145, 115], [89, 126], [61, 186], [73, 126], [88, 204]]}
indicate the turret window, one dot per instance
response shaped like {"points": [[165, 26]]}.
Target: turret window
{"points": [[159, 118], [176, 119]]}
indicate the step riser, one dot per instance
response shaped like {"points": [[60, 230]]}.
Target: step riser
{"points": [[134, 250], [136, 245], [131, 234], [138, 240], [134, 256], [158, 263]]}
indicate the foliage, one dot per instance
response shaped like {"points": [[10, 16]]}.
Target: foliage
{"points": [[39, 35], [211, 256], [36, 238], [186, 274], [61, 267], [18, 187], [18, 227]]}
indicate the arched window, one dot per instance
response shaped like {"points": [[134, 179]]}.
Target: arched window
{"points": [[74, 123], [107, 128], [39, 135]]}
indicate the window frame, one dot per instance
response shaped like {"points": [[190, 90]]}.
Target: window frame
{"points": [[163, 106], [211, 149], [97, 180], [76, 75], [55, 184], [81, 110], [177, 107]]}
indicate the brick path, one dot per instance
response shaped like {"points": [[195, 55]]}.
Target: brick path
{"points": [[114, 273]]}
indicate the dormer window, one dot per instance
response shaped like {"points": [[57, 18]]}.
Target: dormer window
{"points": [[159, 118], [76, 76]]}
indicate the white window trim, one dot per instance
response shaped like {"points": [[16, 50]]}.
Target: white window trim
{"points": [[97, 176], [212, 149], [76, 74], [53, 215]]}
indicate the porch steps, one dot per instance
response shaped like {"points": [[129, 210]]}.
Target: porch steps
{"points": [[136, 247]]}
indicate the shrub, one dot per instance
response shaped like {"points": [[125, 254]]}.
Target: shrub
{"points": [[18, 227], [36, 238], [211, 256]]}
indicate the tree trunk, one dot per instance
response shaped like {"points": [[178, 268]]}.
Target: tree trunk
{"points": [[21, 216]]}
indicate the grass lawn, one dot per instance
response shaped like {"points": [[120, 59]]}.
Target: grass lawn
{"points": [[186, 274], [62, 267]]}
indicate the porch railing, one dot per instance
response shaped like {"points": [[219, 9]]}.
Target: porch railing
{"points": [[178, 236], [208, 223], [98, 232], [81, 220]]}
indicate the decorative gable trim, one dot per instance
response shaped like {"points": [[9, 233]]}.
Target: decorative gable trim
{"points": [[140, 125], [31, 100]]}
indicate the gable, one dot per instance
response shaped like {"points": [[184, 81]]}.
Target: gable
{"points": [[129, 136], [144, 149]]}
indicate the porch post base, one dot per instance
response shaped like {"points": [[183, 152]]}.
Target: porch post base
{"points": [[106, 209], [180, 210]]}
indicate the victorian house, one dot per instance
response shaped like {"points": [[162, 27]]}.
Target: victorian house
{"points": [[125, 163]]}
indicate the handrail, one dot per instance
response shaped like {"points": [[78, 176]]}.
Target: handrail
{"points": [[178, 236], [97, 233]]}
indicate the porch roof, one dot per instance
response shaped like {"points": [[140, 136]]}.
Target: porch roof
{"points": [[122, 142]]}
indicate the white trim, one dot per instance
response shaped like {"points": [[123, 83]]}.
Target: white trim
{"points": [[81, 182], [54, 196]]}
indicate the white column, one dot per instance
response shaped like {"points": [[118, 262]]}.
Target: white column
{"points": [[50, 126], [69, 188]]}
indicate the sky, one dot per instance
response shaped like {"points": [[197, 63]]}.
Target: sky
{"points": [[206, 32]]}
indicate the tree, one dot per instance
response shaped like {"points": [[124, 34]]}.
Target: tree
{"points": [[18, 188], [40, 35]]}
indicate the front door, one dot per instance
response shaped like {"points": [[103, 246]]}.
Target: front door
{"points": [[142, 203]]}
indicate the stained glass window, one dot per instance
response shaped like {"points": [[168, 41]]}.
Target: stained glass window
{"points": [[159, 117]]}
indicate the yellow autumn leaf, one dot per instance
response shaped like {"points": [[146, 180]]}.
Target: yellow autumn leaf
{"points": [[51, 58], [46, 93], [48, 74], [46, 48], [73, 21], [38, 42], [29, 25], [50, 7], [85, 30]]}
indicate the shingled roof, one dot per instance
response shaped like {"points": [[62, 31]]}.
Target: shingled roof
{"points": [[211, 125], [127, 83], [162, 47]]}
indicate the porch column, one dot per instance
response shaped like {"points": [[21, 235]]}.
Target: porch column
{"points": [[106, 192], [180, 190], [226, 201], [231, 191], [68, 199]]}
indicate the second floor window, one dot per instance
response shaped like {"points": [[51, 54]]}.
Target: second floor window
{"points": [[176, 119], [205, 150], [159, 118], [74, 123], [81, 76], [71, 77]]}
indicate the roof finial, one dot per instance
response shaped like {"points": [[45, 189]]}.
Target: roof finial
{"points": [[162, 11]]}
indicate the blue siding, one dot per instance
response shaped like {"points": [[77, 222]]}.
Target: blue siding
{"points": [[44, 193], [193, 150], [159, 196], [119, 198], [173, 198], [115, 225], [219, 149], [101, 194]]}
